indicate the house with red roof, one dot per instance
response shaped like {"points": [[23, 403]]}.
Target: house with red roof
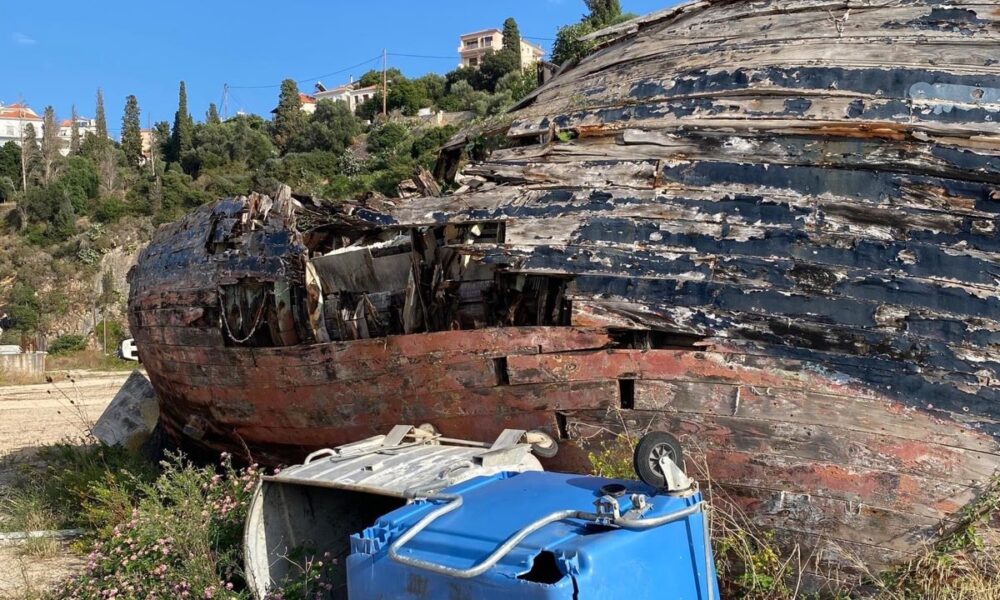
{"points": [[14, 119], [308, 104], [83, 124]]}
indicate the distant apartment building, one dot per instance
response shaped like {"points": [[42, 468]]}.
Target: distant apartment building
{"points": [[14, 119], [85, 126], [476, 45], [351, 93]]}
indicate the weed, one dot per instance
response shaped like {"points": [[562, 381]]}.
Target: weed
{"points": [[12, 378], [614, 459], [89, 360], [181, 539], [75, 488], [965, 563], [24, 512]]}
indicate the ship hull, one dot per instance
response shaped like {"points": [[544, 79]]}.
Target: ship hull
{"points": [[770, 228]]}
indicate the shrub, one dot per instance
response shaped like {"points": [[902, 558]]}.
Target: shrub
{"points": [[110, 210], [180, 540], [65, 344]]}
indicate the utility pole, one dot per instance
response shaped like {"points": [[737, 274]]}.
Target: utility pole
{"points": [[385, 85], [225, 101]]}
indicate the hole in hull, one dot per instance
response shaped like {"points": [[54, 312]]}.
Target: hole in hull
{"points": [[626, 393]]}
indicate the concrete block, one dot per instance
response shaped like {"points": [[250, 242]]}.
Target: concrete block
{"points": [[131, 417]]}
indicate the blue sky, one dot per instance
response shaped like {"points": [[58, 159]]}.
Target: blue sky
{"points": [[60, 52]]}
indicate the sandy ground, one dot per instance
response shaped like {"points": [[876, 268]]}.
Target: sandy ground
{"points": [[26, 576], [36, 415]]}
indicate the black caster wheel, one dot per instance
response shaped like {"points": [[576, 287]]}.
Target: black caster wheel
{"points": [[651, 448], [547, 448]]}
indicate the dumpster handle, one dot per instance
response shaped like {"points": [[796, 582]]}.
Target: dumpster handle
{"points": [[454, 501]]}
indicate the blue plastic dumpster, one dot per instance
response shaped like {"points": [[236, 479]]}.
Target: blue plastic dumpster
{"points": [[538, 535]]}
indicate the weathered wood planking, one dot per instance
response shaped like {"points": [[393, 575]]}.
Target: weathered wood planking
{"points": [[770, 227]]}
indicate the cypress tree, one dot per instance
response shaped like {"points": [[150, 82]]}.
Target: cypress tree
{"points": [[161, 138], [212, 117], [131, 132], [64, 218], [99, 118], [603, 12], [289, 121], [512, 38], [29, 155], [182, 136], [50, 145], [74, 135]]}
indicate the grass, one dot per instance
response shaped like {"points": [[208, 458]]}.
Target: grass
{"points": [[9, 378], [89, 360], [69, 486]]}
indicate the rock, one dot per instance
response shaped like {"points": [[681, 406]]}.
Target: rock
{"points": [[131, 417]]}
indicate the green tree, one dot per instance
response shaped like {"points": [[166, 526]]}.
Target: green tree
{"points": [[290, 121], [182, 136], [374, 77], [435, 87], [570, 47], [64, 220], [10, 162], [74, 132], [31, 158], [161, 139], [497, 64], [603, 12], [332, 127], [7, 189], [511, 38], [250, 143], [50, 145], [518, 84], [24, 308], [100, 120], [132, 133], [212, 116]]}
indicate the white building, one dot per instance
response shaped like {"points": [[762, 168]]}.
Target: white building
{"points": [[14, 119], [350, 93], [85, 126], [472, 47]]}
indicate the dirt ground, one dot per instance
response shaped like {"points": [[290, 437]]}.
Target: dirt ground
{"points": [[33, 416]]}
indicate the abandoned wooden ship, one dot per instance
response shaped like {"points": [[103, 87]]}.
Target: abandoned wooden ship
{"points": [[767, 226]]}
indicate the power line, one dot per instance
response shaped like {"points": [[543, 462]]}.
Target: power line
{"points": [[422, 56], [307, 79]]}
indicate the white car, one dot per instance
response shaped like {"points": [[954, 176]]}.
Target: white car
{"points": [[127, 350]]}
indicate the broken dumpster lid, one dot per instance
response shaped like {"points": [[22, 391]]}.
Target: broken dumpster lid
{"points": [[568, 558], [313, 508], [406, 459]]}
